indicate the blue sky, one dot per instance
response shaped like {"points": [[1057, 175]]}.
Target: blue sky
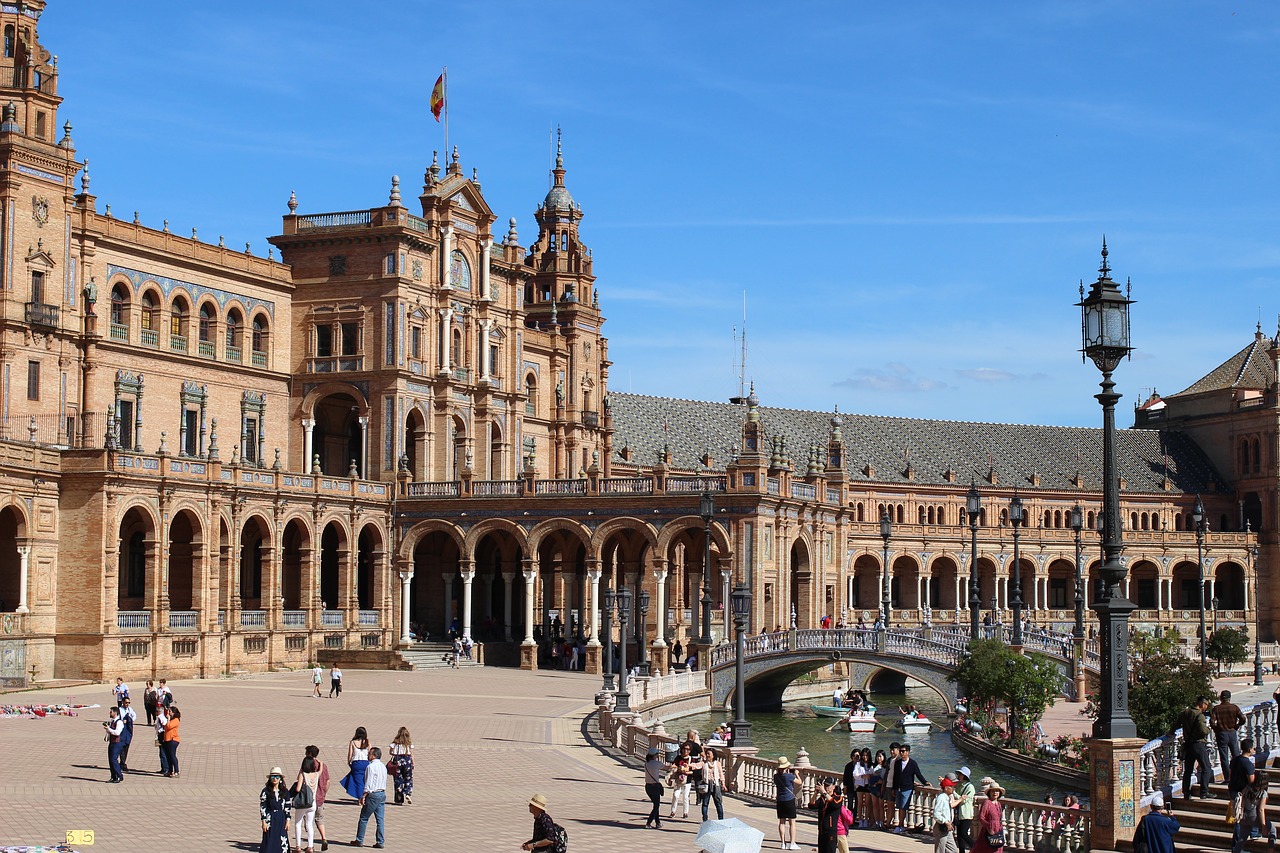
{"points": [[907, 193]]}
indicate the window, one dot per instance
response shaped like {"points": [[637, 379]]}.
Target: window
{"points": [[137, 566], [124, 424], [531, 395], [119, 306], [37, 286], [33, 380], [259, 340], [40, 123], [350, 338], [149, 314], [493, 361], [415, 342], [206, 323], [459, 271], [1058, 593], [250, 439], [178, 318], [8, 41], [253, 411], [191, 432], [233, 328], [324, 341]]}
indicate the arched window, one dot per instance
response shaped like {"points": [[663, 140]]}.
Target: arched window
{"points": [[1177, 521], [206, 323], [259, 341], [233, 331], [8, 41], [1092, 522], [920, 516], [1257, 457], [150, 318], [1048, 518], [1004, 517], [901, 514], [862, 512], [1155, 521], [982, 517], [964, 516], [531, 395], [1057, 518], [178, 323], [120, 312]]}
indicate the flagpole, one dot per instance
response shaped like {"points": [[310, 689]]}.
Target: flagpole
{"points": [[447, 161]]}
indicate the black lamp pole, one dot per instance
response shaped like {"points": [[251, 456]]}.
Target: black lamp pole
{"points": [[1105, 336], [1257, 618], [886, 531], [740, 727], [1197, 517], [974, 505], [623, 702], [642, 638], [607, 683], [708, 507], [1077, 525], [1017, 513]]}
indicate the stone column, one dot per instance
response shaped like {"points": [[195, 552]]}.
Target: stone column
{"points": [[448, 600], [468, 578], [507, 578], [406, 581], [308, 427], [486, 247], [529, 648], [1114, 790], [364, 446], [659, 654], [695, 602], [593, 627], [24, 555]]}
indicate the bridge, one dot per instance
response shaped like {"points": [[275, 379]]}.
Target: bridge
{"points": [[876, 659]]}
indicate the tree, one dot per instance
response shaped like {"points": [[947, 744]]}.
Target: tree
{"points": [[1161, 687], [1228, 645], [1025, 683], [1147, 644]]}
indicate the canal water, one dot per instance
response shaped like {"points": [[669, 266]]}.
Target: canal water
{"points": [[796, 726]]}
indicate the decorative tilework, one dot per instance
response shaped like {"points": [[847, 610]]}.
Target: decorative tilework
{"points": [[1124, 793], [167, 285], [39, 173]]}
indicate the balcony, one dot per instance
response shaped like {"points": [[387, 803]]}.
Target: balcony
{"points": [[295, 618], [368, 618], [591, 419], [253, 618], [178, 343], [150, 337], [335, 364], [119, 332], [184, 620], [205, 348], [259, 359], [233, 354], [133, 620], [42, 314], [331, 618]]}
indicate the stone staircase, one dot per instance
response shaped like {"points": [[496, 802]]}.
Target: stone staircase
{"points": [[1203, 822], [432, 656]]}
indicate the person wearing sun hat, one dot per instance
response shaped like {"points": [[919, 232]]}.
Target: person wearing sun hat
{"points": [[544, 828], [273, 807], [990, 834], [966, 794], [784, 782]]}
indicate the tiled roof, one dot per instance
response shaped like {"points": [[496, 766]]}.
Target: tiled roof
{"points": [[931, 448], [1249, 368]]}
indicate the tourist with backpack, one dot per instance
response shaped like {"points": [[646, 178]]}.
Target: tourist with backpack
{"points": [[547, 834], [304, 803]]}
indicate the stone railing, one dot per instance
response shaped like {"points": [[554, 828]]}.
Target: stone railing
{"points": [[368, 618], [253, 618], [133, 620], [645, 691], [560, 487], [695, 484], [1161, 759], [184, 620], [626, 486], [331, 619], [295, 618], [344, 219], [496, 488], [445, 489]]}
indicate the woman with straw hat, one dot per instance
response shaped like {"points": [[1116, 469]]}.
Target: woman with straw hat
{"points": [[990, 834], [784, 782], [273, 808]]}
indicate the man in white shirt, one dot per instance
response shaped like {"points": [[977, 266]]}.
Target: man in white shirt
{"points": [[944, 816], [374, 801], [121, 691], [127, 719], [114, 726]]}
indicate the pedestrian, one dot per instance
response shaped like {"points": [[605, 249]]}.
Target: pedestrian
{"points": [[150, 701], [1225, 720], [304, 803], [322, 787], [317, 676], [121, 690], [784, 799], [401, 752], [860, 799], [1195, 749], [875, 790], [944, 836], [164, 696], [162, 718], [457, 651], [837, 698], [172, 740], [544, 828], [678, 781], [845, 822], [273, 807], [1252, 818], [713, 779], [828, 816], [1240, 775], [653, 768], [127, 718], [335, 681], [114, 726], [966, 794], [1157, 827], [677, 652], [373, 801], [357, 763], [905, 776], [990, 835], [889, 791]]}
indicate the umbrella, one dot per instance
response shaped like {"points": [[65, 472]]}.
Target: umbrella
{"points": [[728, 836]]}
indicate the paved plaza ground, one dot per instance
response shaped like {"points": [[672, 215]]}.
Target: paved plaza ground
{"points": [[486, 739]]}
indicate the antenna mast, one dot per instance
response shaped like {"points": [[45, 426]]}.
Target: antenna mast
{"points": [[742, 361]]}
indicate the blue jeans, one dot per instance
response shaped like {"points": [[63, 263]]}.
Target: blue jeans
{"points": [[113, 760], [1228, 748], [164, 758], [171, 755], [713, 794], [375, 803]]}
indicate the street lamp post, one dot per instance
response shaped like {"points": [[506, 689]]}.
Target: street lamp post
{"points": [[623, 703], [1017, 514], [886, 531], [1197, 517], [1105, 340], [740, 727], [973, 503], [642, 638], [607, 683], [1077, 525], [1257, 618], [708, 507]]}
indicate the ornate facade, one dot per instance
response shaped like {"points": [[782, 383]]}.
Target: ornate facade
{"points": [[224, 462]]}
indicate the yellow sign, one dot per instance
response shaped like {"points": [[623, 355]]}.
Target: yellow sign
{"points": [[80, 837]]}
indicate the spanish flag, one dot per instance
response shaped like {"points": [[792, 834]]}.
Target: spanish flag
{"points": [[437, 97]]}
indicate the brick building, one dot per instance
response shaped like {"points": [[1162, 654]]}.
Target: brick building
{"points": [[213, 461]]}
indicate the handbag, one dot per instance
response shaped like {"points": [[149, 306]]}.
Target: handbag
{"points": [[393, 768], [995, 840], [304, 799], [702, 787]]}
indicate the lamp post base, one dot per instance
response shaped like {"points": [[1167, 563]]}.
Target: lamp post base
{"points": [[529, 657], [741, 734], [1114, 790]]}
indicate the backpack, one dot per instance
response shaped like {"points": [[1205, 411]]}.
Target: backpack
{"points": [[304, 799], [559, 839]]}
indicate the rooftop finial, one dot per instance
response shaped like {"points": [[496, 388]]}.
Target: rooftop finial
{"points": [[84, 178], [559, 150], [293, 202], [435, 163], [455, 155], [513, 239], [1104, 270], [395, 191]]}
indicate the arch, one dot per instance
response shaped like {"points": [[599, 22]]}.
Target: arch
{"points": [[1186, 585], [903, 571], [421, 529], [337, 436], [12, 530], [1228, 585], [944, 569], [369, 556], [149, 309], [435, 554], [800, 578], [334, 542], [260, 335], [295, 550], [679, 525], [531, 394], [179, 322], [1144, 581], [234, 332], [185, 544], [602, 533], [545, 529], [255, 541], [415, 443], [1061, 584], [121, 299], [1242, 460], [136, 557], [208, 324]]}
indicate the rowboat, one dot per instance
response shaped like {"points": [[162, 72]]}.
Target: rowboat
{"points": [[828, 710], [862, 722], [915, 725]]}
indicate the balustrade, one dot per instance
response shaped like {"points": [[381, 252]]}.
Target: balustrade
{"points": [[295, 618], [331, 618], [133, 620], [1160, 761], [560, 487], [496, 488], [626, 486], [368, 618], [253, 618], [184, 620]]}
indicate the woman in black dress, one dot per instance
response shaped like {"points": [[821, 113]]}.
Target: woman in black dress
{"points": [[273, 808]]}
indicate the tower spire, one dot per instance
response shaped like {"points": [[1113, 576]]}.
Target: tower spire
{"points": [[1104, 271]]}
